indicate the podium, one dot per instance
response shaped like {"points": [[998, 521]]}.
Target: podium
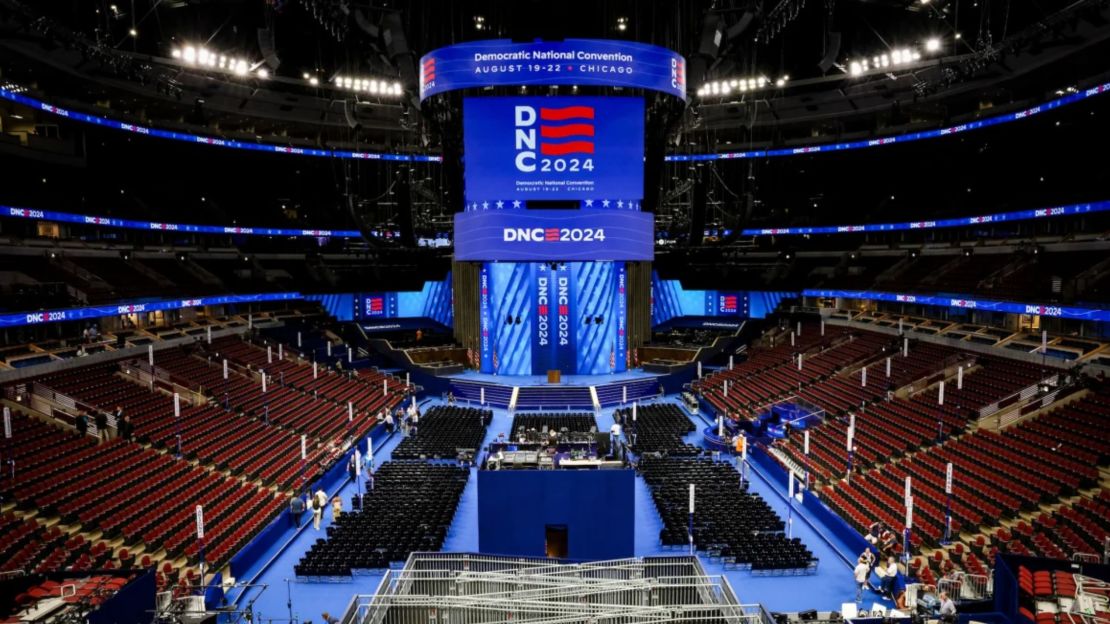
{"points": [[554, 376]]}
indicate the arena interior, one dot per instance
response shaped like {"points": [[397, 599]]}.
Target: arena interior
{"points": [[519, 312]]}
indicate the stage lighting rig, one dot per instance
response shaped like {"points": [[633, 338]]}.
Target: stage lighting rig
{"points": [[740, 85], [202, 57], [371, 86], [885, 61]]}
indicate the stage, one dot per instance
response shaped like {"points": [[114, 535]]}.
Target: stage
{"points": [[541, 380]]}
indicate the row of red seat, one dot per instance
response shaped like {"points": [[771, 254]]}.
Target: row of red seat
{"points": [[144, 496], [299, 395], [89, 591], [997, 475]]}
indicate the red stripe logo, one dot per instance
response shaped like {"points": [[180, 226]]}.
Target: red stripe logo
{"points": [[551, 235], [562, 132], [580, 130]]}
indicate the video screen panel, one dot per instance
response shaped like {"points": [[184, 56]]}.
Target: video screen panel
{"points": [[553, 148]]}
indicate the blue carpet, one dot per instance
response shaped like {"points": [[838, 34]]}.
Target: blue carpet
{"points": [[309, 599], [463, 535], [826, 590]]}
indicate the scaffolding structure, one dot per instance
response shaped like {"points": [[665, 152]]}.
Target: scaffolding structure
{"points": [[453, 588]]}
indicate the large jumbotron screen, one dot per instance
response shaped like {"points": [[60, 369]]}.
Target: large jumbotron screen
{"points": [[553, 148]]}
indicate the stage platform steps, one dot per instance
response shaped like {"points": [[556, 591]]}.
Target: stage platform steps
{"points": [[611, 394], [554, 397], [497, 395]]}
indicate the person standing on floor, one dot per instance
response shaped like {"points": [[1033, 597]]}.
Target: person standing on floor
{"points": [[336, 507], [898, 588], [319, 501], [123, 427], [615, 438], [861, 572], [101, 420], [82, 425]]}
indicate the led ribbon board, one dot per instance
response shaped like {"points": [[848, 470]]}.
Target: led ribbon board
{"points": [[593, 62], [1021, 215], [553, 235], [1081, 314], [793, 151], [39, 317], [65, 217], [521, 148], [901, 138], [198, 139]]}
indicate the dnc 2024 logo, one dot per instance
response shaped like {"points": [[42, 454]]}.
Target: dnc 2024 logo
{"points": [[559, 139]]}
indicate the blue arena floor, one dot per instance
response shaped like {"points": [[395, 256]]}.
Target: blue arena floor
{"points": [[831, 586]]}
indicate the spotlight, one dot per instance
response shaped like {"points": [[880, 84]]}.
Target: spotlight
{"points": [[622, 24], [133, 32], [967, 252], [932, 45]]}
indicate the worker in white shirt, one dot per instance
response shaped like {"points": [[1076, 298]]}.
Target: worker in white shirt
{"points": [[615, 438], [861, 573]]}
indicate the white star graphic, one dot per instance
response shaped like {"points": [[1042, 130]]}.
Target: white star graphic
{"points": [[516, 203], [485, 205], [620, 203], [500, 204], [605, 203], [589, 202]]}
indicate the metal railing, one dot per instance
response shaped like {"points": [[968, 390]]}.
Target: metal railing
{"points": [[1017, 397], [481, 589], [964, 586]]}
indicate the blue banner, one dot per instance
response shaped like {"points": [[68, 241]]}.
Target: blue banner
{"points": [[523, 148], [620, 358], [39, 317], [545, 326], [486, 345], [593, 62], [566, 318], [1081, 314], [545, 235]]}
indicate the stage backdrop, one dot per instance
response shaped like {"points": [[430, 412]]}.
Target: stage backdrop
{"points": [[596, 506], [540, 316], [670, 300]]}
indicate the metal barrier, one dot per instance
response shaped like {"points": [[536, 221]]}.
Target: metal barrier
{"points": [[436, 588], [1017, 397], [963, 586], [1083, 557]]}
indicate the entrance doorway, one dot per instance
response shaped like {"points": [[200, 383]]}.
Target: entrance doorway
{"points": [[556, 541]]}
